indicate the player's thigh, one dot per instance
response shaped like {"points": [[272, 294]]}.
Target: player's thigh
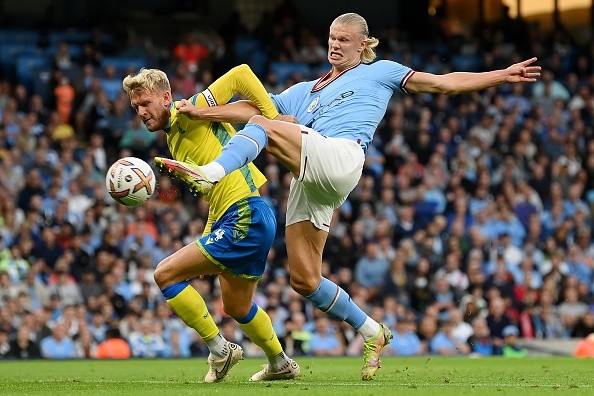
{"points": [[237, 293], [284, 142], [305, 244], [188, 262], [331, 167]]}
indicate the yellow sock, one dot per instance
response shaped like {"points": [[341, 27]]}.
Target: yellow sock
{"points": [[191, 308], [260, 331]]}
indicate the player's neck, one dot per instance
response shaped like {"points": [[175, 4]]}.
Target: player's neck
{"points": [[337, 70], [331, 76]]}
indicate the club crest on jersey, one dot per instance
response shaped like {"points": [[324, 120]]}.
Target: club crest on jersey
{"points": [[219, 234], [313, 104]]}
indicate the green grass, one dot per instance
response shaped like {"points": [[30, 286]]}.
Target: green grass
{"points": [[320, 376]]}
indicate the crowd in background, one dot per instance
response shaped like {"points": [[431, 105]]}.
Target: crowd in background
{"points": [[470, 228]]}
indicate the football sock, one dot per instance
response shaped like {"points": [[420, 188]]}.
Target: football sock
{"points": [[369, 329], [241, 149], [336, 302], [189, 305], [258, 327]]}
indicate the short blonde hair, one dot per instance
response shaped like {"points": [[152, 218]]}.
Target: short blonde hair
{"points": [[146, 81], [356, 20]]}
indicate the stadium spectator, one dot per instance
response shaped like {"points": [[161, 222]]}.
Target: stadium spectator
{"points": [[481, 342], [84, 344], [585, 326], [113, 347], [405, 341], [511, 347], [571, 309], [585, 348], [191, 52], [371, 269], [461, 331], [324, 340], [23, 347], [4, 344], [445, 344], [58, 345], [497, 320], [147, 341], [298, 336]]}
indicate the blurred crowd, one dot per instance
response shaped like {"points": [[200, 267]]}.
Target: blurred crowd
{"points": [[470, 229]]}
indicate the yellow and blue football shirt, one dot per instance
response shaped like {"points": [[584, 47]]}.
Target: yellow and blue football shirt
{"points": [[240, 227]]}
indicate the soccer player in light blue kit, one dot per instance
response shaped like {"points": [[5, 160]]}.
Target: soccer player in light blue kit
{"points": [[338, 115]]}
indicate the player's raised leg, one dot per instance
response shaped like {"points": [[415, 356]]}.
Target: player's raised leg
{"points": [[171, 276], [282, 139], [305, 244], [256, 324]]}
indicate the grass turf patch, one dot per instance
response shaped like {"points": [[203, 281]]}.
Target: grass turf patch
{"points": [[320, 376]]}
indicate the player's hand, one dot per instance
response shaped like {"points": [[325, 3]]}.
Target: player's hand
{"points": [[186, 107], [286, 118], [523, 71]]}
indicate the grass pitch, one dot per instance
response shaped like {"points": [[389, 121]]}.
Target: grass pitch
{"points": [[319, 376]]}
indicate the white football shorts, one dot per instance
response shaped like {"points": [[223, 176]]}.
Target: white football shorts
{"points": [[330, 170]]}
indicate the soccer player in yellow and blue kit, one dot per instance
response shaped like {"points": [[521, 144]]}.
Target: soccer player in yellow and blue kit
{"points": [[240, 227]]}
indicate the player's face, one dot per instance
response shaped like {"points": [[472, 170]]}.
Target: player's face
{"points": [[153, 109], [344, 46]]}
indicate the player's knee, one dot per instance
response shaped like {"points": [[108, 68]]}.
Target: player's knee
{"points": [[162, 274], [304, 286], [236, 310], [260, 120]]}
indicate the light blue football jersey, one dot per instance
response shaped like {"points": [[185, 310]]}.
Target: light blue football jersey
{"points": [[351, 106]]}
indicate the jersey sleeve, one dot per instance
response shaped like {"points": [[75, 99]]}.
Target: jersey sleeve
{"points": [[393, 74], [288, 101], [240, 79]]}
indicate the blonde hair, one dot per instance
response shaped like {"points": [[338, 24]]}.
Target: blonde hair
{"points": [[146, 81], [356, 20]]}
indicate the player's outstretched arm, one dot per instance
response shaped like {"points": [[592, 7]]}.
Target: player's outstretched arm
{"points": [[236, 112], [463, 82], [240, 79]]}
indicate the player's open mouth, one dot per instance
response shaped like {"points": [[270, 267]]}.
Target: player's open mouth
{"points": [[335, 55]]}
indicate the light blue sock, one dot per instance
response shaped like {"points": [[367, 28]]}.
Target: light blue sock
{"points": [[336, 302], [242, 148]]}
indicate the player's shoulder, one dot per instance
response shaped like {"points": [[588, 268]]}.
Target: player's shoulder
{"points": [[385, 64], [299, 87]]}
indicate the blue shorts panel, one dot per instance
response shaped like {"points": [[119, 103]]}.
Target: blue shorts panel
{"points": [[240, 240]]}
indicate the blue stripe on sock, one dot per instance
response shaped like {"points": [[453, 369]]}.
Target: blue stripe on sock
{"points": [[248, 318], [173, 290]]}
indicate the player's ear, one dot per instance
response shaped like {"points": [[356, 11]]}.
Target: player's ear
{"points": [[362, 46], [167, 99]]}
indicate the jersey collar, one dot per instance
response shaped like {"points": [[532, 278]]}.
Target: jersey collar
{"points": [[322, 82]]}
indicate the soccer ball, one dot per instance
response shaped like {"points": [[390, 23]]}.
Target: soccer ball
{"points": [[130, 181]]}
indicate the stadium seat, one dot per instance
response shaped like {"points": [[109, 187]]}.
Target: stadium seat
{"points": [[122, 64], [284, 70], [71, 36], [245, 47], [10, 52], [19, 36], [28, 65], [471, 63]]}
